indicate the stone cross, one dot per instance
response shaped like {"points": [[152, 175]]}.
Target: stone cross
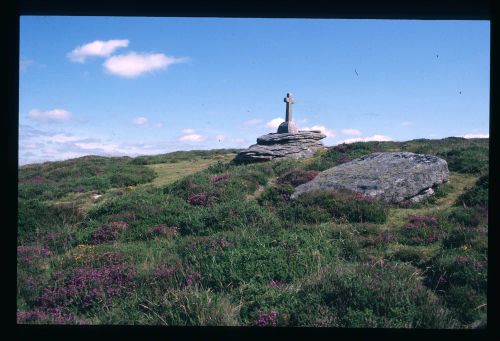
{"points": [[289, 101]]}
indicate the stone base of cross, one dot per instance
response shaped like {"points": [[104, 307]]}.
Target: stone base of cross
{"points": [[288, 126]]}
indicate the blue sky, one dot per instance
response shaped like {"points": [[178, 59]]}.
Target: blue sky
{"points": [[134, 86]]}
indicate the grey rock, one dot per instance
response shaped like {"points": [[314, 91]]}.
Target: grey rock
{"points": [[283, 146], [423, 195], [305, 136], [391, 177], [287, 127]]}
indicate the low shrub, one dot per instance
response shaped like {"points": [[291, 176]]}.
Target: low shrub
{"points": [[477, 196], [472, 160], [422, 230], [442, 190], [225, 216], [162, 230], [458, 267], [340, 205], [108, 232], [459, 275], [297, 177], [282, 257], [460, 216], [466, 303], [373, 295], [274, 196]]}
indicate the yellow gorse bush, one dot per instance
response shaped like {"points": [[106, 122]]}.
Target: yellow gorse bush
{"points": [[82, 252]]}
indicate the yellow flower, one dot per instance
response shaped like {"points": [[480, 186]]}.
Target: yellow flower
{"points": [[465, 248]]}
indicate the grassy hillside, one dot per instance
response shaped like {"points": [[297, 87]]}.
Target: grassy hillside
{"points": [[189, 238]]}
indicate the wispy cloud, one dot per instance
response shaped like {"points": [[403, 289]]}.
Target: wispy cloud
{"points": [[366, 139], [354, 132], [24, 64], [97, 48], [158, 125], [190, 135], [275, 122], [323, 129], [240, 142], [476, 136], [140, 121], [63, 138], [134, 64], [407, 124], [107, 147], [50, 115], [39, 146], [252, 122]]}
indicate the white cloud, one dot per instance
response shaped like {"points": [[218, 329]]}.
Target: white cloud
{"points": [[407, 124], [327, 132], [252, 122], [158, 125], [190, 135], [139, 121], [275, 122], [220, 138], [351, 132], [97, 48], [366, 139], [63, 138], [476, 136], [134, 64], [40, 146], [50, 115], [107, 147], [191, 138]]}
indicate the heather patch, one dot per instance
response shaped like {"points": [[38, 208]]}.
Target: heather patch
{"points": [[88, 287], [422, 230], [55, 315], [203, 198], [266, 319], [29, 254], [297, 177], [220, 177], [108, 232], [162, 230]]}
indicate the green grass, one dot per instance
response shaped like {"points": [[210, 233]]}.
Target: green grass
{"points": [[169, 172], [238, 252]]}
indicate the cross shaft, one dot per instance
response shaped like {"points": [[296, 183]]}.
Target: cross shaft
{"points": [[289, 101]]}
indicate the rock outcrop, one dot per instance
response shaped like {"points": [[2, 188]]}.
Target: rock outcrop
{"points": [[283, 146], [391, 177]]}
